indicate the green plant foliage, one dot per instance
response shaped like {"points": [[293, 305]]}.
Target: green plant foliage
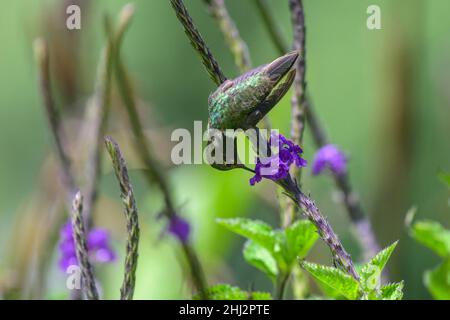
{"points": [[392, 291], [260, 258], [334, 278], [432, 235], [445, 177], [256, 230], [371, 272], [300, 237], [337, 284], [227, 292], [273, 251], [438, 281]]}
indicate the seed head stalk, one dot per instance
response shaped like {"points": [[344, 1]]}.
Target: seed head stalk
{"points": [[153, 172], [131, 215], [79, 235], [359, 219], [311, 211]]}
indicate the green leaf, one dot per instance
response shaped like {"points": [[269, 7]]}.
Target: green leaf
{"points": [[260, 258], [258, 295], [444, 177], [392, 291], [258, 231], [438, 281], [371, 271], [300, 237], [334, 278], [227, 292], [433, 235]]}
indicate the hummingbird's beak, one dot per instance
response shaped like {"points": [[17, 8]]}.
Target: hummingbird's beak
{"points": [[281, 66]]}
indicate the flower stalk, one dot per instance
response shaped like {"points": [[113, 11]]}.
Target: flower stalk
{"points": [[131, 215], [79, 235], [98, 112], [208, 60], [236, 44], [312, 212], [153, 173], [359, 219], [42, 57], [307, 206]]}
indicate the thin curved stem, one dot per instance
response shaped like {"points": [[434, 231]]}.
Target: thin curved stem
{"points": [[153, 173], [197, 42], [131, 215], [236, 44], [359, 219], [79, 236]]}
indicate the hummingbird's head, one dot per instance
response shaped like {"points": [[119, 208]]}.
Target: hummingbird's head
{"points": [[242, 102]]}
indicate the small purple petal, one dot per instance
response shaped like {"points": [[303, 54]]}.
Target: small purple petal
{"points": [[97, 238], [329, 156], [66, 231], [179, 228], [67, 248], [276, 167], [97, 243], [104, 255], [65, 262]]}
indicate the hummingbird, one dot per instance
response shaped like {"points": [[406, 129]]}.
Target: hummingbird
{"points": [[242, 102]]}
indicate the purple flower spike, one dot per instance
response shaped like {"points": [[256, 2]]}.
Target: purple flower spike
{"points": [[332, 157], [276, 167], [99, 249], [179, 228]]}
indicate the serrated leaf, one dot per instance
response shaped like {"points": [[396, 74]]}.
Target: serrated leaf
{"points": [[392, 291], [300, 237], [334, 278], [255, 230], [432, 235], [438, 281], [371, 271], [260, 258], [227, 292]]}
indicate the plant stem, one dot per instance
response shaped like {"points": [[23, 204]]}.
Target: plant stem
{"points": [[131, 215], [153, 173], [97, 117], [312, 213], [299, 85], [298, 106], [359, 219], [79, 235], [310, 210], [43, 62], [280, 286], [197, 42], [233, 39]]}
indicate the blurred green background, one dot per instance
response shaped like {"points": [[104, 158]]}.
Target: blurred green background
{"points": [[383, 96]]}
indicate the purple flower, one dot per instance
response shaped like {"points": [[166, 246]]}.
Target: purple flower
{"points": [[276, 167], [99, 249], [329, 156], [179, 228]]}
